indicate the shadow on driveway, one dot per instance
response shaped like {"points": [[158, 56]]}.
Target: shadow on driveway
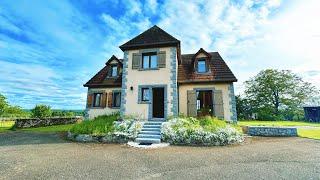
{"points": [[13, 138]]}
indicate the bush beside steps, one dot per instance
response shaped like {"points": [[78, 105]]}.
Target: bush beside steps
{"points": [[106, 129]]}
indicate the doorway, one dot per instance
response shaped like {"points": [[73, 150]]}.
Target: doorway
{"points": [[158, 102]]}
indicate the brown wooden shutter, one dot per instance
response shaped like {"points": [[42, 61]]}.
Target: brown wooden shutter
{"points": [[218, 104], [110, 99], [162, 59], [104, 100], [192, 103], [136, 60], [196, 65], [89, 100]]}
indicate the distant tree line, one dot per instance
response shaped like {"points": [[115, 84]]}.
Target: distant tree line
{"points": [[275, 95], [39, 111]]}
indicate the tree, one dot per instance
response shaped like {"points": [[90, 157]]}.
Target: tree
{"points": [[3, 104], [244, 107], [274, 91], [41, 111]]}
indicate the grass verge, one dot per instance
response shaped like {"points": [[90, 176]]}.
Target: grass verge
{"points": [[49, 129], [309, 133]]}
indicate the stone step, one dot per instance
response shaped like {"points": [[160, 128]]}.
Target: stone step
{"points": [[153, 123], [150, 129], [148, 140], [149, 132], [151, 126], [149, 136]]}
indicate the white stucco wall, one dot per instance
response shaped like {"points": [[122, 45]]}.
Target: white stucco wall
{"points": [[136, 77], [183, 103], [97, 111]]}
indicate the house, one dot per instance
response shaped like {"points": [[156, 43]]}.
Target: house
{"points": [[154, 81]]}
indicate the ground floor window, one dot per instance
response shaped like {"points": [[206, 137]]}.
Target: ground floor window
{"points": [[97, 99], [204, 103], [116, 99], [145, 94]]}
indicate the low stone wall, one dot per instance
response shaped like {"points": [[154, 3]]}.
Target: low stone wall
{"points": [[271, 131], [35, 122]]}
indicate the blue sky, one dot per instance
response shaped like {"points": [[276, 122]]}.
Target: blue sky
{"points": [[49, 49]]}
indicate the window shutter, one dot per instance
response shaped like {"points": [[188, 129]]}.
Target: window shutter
{"points": [[162, 59], [136, 60], [110, 99], [196, 66], [89, 100], [192, 103], [218, 104], [104, 100]]}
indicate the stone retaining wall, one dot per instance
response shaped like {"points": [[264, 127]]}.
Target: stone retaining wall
{"points": [[35, 122], [271, 131]]}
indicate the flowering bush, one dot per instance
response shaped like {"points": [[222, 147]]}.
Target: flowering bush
{"points": [[128, 128], [206, 131]]}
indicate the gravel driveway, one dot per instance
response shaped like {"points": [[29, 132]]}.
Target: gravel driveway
{"points": [[25, 155]]}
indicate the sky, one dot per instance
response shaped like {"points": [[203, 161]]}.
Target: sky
{"points": [[49, 49]]}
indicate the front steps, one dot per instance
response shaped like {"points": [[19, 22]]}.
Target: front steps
{"points": [[150, 133]]}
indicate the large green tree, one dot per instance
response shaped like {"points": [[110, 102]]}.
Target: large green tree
{"points": [[274, 92]]}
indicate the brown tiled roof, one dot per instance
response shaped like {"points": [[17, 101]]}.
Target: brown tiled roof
{"points": [[101, 80], [153, 37], [220, 71]]}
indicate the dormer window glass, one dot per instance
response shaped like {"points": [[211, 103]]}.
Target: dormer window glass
{"points": [[114, 71], [202, 66], [149, 61]]}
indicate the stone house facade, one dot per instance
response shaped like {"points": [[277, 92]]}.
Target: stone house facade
{"points": [[154, 81]]}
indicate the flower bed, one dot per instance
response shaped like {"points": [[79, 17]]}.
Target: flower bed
{"points": [[205, 131], [106, 129]]}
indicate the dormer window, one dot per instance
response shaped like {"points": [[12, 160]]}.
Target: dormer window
{"points": [[114, 71], [149, 60], [202, 66]]}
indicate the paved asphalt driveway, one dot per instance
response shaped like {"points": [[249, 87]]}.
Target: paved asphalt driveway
{"points": [[25, 155]]}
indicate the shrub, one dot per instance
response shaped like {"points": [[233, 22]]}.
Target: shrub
{"points": [[204, 131], [41, 111], [100, 125]]}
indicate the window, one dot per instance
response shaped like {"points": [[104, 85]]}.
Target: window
{"points": [[116, 99], [149, 61], [202, 67], [97, 99], [114, 71], [145, 94]]}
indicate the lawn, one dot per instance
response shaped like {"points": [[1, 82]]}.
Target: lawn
{"points": [[55, 128], [7, 125], [277, 123], [302, 127]]}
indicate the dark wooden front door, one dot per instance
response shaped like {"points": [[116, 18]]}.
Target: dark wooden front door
{"points": [[158, 102]]}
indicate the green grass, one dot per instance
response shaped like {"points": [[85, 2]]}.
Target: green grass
{"points": [[55, 128], [101, 125], [309, 133], [6, 125], [277, 123]]}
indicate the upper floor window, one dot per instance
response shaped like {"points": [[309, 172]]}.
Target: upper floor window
{"points": [[97, 99], [202, 66], [149, 61], [114, 71]]}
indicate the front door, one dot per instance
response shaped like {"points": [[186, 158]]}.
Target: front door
{"points": [[158, 102]]}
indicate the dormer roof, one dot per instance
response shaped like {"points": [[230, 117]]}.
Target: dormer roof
{"points": [[153, 37]]}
